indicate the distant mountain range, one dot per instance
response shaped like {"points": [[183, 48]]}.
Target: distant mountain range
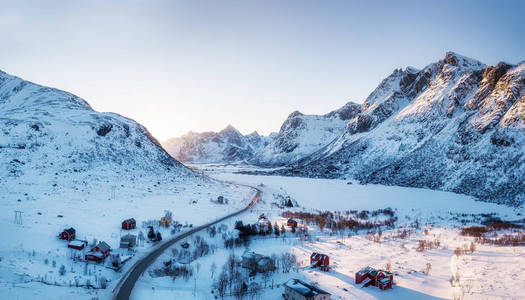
{"points": [[456, 125], [226, 146]]}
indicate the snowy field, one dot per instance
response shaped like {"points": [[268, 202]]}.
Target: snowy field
{"points": [[31, 254], [436, 272]]}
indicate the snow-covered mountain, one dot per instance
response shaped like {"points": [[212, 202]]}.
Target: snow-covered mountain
{"points": [[48, 134], [301, 135], [226, 146], [456, 125], [52, 142]]}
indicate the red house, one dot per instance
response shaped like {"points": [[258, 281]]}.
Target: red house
{"points": [[94, 256], [291, 223], [99, 252], [77, 244], [370, 276], [67, 234], [321, 261], [129, 224]]}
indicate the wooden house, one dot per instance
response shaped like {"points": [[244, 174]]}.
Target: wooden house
{"points": [[129, 224], [321, 261], [128, 241], [295, 289], [77, 244], [370, 276], [68, 234]]}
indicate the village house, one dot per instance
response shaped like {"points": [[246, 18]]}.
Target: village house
{"points": [[321, 261], [77, 244], [257, 262], [295, 289], [99, 252], [129, 224], [128, 241], [68, 234], [370, 276]]}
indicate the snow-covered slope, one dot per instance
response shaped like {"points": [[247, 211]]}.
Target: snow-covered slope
{"points": [[301, 135], [63, 165], [51, 135], [457, 125], [228, 145]]}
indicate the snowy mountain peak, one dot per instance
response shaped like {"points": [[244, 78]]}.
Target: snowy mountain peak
{"points": [[227, 145], [229, 128], [457, 125], [458, 60]]}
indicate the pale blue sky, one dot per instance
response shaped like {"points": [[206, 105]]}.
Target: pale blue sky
{"points": [[176, 66]]}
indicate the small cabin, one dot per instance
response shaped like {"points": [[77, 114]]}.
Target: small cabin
{"points": [[68, 234], [295, 289], [129, 224], [128, 241], [77, 244], [321, 261], [103, 248]]}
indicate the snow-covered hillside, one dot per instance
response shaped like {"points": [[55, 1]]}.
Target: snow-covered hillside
{"points": [[228, 145], [456, 125], [63, 165], [301, 135]]}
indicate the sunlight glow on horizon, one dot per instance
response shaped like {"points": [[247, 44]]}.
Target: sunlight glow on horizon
{"points": [[198, 66]]}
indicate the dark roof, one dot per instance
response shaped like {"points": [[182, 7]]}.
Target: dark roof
{"points": [[304, 288], [70, 230], [103, 246], [128, 237], [130, 220]]}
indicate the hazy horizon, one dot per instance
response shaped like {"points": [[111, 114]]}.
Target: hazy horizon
{"points": [[199, 66]]}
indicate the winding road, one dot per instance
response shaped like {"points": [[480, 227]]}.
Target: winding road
{"points": [[123, 289]]}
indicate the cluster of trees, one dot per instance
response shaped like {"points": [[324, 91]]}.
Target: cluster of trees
{"points": [[174, 270], [235, 281], [259, 229], [339, 221], [199, 248]]}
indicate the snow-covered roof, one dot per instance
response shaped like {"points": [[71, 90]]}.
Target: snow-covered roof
{"points": [[96, 254], [103, 246], [264, 261], [77, 243], [384, 280], [365, 270], [304, 288], [250, 255], [128, 237]]}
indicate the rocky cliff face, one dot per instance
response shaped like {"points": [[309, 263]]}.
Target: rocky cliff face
{"points": [[226, 146], [301, 135], [457, 125]]}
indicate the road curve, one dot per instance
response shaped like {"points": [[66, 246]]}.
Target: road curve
{"points": [[123, 289]]}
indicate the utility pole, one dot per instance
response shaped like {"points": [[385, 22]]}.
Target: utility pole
{"points": [[18, 217]]}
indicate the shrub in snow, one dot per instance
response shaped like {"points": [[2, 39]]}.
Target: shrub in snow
{"points": [[62, 270]]}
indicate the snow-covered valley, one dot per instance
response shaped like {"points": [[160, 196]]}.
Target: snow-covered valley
{"points": [[444, 266]]}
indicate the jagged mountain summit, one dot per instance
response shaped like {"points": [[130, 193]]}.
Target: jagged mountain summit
{"points": [[456, 125], [301, 135], [226, 146]]}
